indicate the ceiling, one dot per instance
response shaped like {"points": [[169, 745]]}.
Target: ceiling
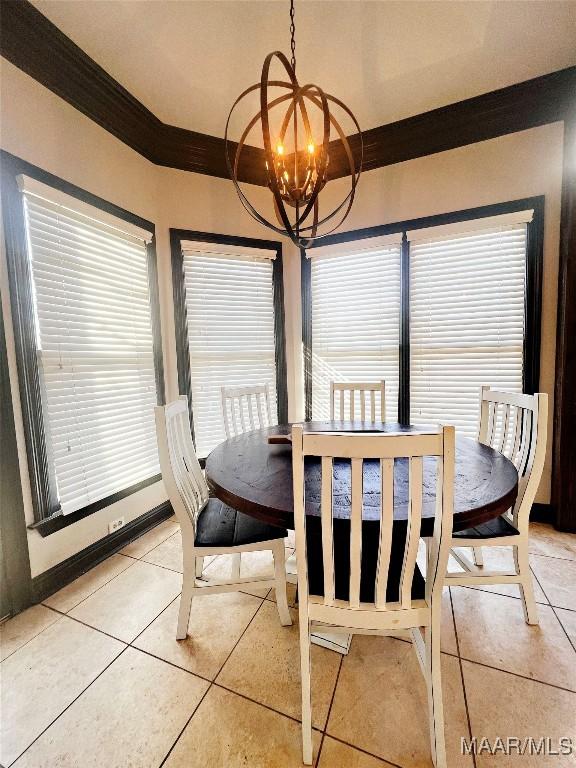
{"points": [[187, 60]]}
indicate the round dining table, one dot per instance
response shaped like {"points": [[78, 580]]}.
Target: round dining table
{"points": [[252, 473]]}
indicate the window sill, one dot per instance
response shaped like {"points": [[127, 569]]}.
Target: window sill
{"points": [[56, 522]]}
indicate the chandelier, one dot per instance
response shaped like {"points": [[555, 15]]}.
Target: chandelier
{"points": [[299, 132]]}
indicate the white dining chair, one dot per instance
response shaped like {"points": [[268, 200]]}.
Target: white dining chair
{"points": [[343, 397], [208, 526], [245, 408], [392, 596], [516, 425]]}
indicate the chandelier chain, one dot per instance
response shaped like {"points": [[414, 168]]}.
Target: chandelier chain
{"points": [[292, 35]]}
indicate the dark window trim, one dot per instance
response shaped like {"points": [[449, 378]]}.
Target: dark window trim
{"points": [[533, 303], [48, 516], [306, 288], [180, 314], [404, 352]]}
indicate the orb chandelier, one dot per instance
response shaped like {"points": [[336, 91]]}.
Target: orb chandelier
{"points": [[299, 131]]}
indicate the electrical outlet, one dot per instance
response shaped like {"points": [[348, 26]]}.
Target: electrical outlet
{"points": [[114, 525]]}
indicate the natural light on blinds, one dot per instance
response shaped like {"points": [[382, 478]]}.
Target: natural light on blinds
{"points": [[355, 321], [230, 311], [95, 349], [466, 322]]}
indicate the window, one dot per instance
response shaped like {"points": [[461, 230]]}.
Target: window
{"points": [[229, 308], [452, 306], [466, 322], [94, 348], [356, 316]]}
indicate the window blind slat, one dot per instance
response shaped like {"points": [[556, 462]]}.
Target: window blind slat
{"points": [[230, 316], [95, 350]]}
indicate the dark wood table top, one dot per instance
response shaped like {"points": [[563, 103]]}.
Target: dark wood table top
{"points": [[255, 477]]}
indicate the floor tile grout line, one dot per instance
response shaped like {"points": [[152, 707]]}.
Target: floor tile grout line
{"points": [[155, 617], [366, 752], [256, 612], [89, 626], [211, 683], [186, 724], [517, 674], [171, 664], [341, 662], [294, 719], [540, 585], [67, 707], [322, 737], [572, 643], [145, 534], [34, 636], [491, 592], [466, 707], [329, 710], [136, 560], [177, 666], [553, 557], [109, 581]]}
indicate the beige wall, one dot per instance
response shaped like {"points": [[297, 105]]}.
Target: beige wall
{"points": [[43, 129]]}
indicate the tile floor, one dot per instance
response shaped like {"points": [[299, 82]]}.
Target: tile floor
{"points": [[94, 676]]}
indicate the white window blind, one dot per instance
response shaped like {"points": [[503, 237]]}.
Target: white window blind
{"points": [[355, 320], [95, 347], [230, 314], [466, 321]]}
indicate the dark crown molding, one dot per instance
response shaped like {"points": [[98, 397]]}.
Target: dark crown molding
{"points": [[34, 44], [536, 102]]}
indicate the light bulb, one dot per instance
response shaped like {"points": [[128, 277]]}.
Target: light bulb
{"points": [[279, 149], [310, 148]]}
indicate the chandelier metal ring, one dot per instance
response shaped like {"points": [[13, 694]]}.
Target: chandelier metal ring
{"points": [[301, 189]]}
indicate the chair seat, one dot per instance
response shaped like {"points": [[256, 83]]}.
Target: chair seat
{"points": [[221, 526], [499, 527]]}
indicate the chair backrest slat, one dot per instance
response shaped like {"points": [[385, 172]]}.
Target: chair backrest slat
{"points": [[243, 406], [386, 521], [516, 425], [413, 530], [339, 391], [356, 531], [327, 532], [181, 471], [387, 449]]}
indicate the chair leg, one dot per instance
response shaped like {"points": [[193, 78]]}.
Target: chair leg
{"points": [[478, 557], [305, 669], [188, 587], [522, 563], [236, 565], [434, 684], [199, 567], [280, 577]]}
